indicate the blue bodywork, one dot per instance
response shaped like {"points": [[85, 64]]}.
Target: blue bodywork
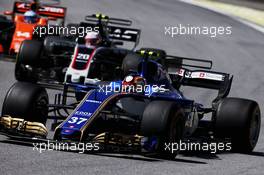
{"points": [[97, 98], [74, 126]]}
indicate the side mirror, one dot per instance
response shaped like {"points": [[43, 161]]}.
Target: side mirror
{"points": [[8, 13]]}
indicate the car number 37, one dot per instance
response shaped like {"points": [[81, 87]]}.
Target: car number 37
{"points": [[76, 120]]}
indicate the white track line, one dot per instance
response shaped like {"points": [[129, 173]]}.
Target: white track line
{"points": [[248, 23]]}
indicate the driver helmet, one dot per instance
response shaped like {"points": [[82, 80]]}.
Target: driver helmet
{"points": [[134, 84], [30, 17], [92, 39]]}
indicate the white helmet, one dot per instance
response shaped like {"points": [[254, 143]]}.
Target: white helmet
{"points": [[30, 17], [92, 39]]}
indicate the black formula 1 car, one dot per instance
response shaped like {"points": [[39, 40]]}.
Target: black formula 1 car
{"points": [[66, 58], [144, 112]]}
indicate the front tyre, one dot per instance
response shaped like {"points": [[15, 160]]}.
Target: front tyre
{"points": [[26, 101], [166, 120], [28, 58]]}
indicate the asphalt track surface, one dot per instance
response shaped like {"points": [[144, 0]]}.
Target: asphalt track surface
{"points": [[240, 54]]}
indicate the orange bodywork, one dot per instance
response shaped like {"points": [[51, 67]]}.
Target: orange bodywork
{"points": [[23, 31]]}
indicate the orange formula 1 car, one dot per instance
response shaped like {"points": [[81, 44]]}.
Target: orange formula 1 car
{"points": [[20, 27]]}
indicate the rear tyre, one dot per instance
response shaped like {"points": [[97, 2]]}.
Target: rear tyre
{"points": [[166, 120], [28, 59], [239, 120], [26, 101]]}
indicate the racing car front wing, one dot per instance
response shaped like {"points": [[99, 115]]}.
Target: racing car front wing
{"points": [[20, 125]]}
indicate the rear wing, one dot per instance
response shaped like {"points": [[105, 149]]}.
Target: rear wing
{"points": [[203, 77], [95, 18], [176, 62], [124, 34], [180, 74], [44, 10], [114, 28]]}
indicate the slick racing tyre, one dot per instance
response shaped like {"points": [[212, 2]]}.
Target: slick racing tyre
{"points": [[239, 120], [26, 101], [30, 52], [28, 58], [166, 120]]}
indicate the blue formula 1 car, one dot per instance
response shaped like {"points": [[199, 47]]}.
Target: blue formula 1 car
{"points": [[145, 111]]}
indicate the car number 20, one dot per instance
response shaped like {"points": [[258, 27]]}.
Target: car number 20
{"points": [[82, 56]]}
